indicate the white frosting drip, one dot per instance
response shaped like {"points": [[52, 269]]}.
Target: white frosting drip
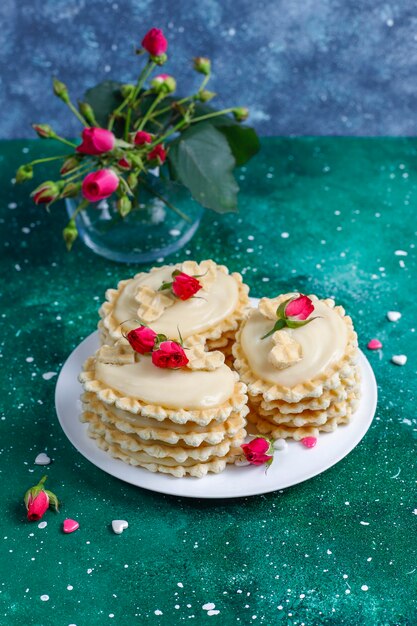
{"points": [[173, 389], [323, 342], [192, 316]]}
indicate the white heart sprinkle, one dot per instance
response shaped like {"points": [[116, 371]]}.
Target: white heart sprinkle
{"points": [[393, 316], [399, 359], [119, 525], [42, 459], [242, 462], [280, 444]]}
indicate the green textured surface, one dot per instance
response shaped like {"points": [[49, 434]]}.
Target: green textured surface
{"points": [[296, 557]]}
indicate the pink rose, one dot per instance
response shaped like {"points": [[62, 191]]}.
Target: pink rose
{"points": [[99, 185], [164, 83], [157, 154], [169, 355], [96, 141], [141, 138], [185, 286], [37, 506], [299, 308], [154, 42], [124, 163], [142, 339], [46, 192], [255, 451]]}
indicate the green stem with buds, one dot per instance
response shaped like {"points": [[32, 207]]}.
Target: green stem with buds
{"points": [[65, 141], [76, 113], [83, 204], [210, 115], [47, 159], [147, 70], [149, 112], [81, 171]]}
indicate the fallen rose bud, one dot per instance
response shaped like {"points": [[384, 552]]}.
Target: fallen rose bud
{"points": [[256, 451], [142, 138], [185, 286], [99, 185], [169, 355], [142, 339], [155, 42], [25, 172], [38, 500], [240, 114], [96, 141], [60, 90], [157, 154], [46, 192], [163, 83], [202, 65], [44, 131], [70, 234], [299, 309]]}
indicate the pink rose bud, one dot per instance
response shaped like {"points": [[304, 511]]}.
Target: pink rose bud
{"points": [[154, 42], [163, 83], [38, 500], [46, 192], [169, 355], [299, 308], [44, 131], [255, 451], [124, 163], [157, 154], [142, 339], [99, 185], [185, 286], [141, 138], [202, 65], [25, 172], [240, 114], [96, 141]]}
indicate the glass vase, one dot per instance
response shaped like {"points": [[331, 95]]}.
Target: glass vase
{"points": [[163, 221]]}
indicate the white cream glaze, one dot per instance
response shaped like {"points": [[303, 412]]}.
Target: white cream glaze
{"points": [[192, 316], [172, 389], [323, 342]]}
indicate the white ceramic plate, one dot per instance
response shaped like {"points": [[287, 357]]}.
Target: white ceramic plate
{"points": [[290, 467]]}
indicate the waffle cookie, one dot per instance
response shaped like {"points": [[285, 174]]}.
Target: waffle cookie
{"points": [[303, 378], [211, 317], [186, 421]]}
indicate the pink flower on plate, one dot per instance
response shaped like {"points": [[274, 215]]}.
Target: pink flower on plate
{"points": [[142, 339], [169, 355], [299, 308], [185, 286], [256, 451], [99, 185], [96, 141]]}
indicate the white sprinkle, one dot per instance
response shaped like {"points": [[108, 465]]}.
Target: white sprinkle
{"points": [[390, 22], [285, 235], [44, 598], [240, 590], [25, 230], [345, 576], [280, 444], [369, 559], [29, 359], [70, 587], [216, 612], [401, 263], [365, 523], [180, 585], [393, 316], [347, 592], [209, 606], [48, 375], [302, 595], [364, 587], [42, 459], [329, 552], [415, 512], [89, 571], [399, 359], [17, 267], [158, 612], [249, 250], [174, 232], [12, 205], [42, 524]]}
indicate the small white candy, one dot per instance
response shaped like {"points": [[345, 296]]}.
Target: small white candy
{"points": [[42, 459], [280, 444], [119, 525], [42, 525], [393, 316], [242, 462], [399, 359]]}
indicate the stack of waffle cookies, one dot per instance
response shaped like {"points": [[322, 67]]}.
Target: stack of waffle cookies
{"points": [[300, 380], [188, 421]]}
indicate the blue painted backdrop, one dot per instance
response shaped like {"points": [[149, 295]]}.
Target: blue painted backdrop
{"points": [[301, 66]]}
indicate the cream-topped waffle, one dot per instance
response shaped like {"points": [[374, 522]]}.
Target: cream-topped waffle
{"points": [[186, 421], [301, 379], [211, 317]]}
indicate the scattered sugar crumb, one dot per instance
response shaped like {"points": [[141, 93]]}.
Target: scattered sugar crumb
{"points": [[285, 235], [209, 606], [158, 612], [364, 587], [42, 524], [365, 523], [213, 612], [180, 585], [44, 597], [401, 253], [48, 375]]}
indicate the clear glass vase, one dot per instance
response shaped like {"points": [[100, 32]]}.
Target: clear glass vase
{"points": [[163, 221]]}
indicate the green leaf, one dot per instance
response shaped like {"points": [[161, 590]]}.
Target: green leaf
{"points": [[104, 98], [202, 160], [243, 141], [277, 326]]}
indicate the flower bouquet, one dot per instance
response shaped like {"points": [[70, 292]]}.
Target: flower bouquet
{"points": [[134, 132]]}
